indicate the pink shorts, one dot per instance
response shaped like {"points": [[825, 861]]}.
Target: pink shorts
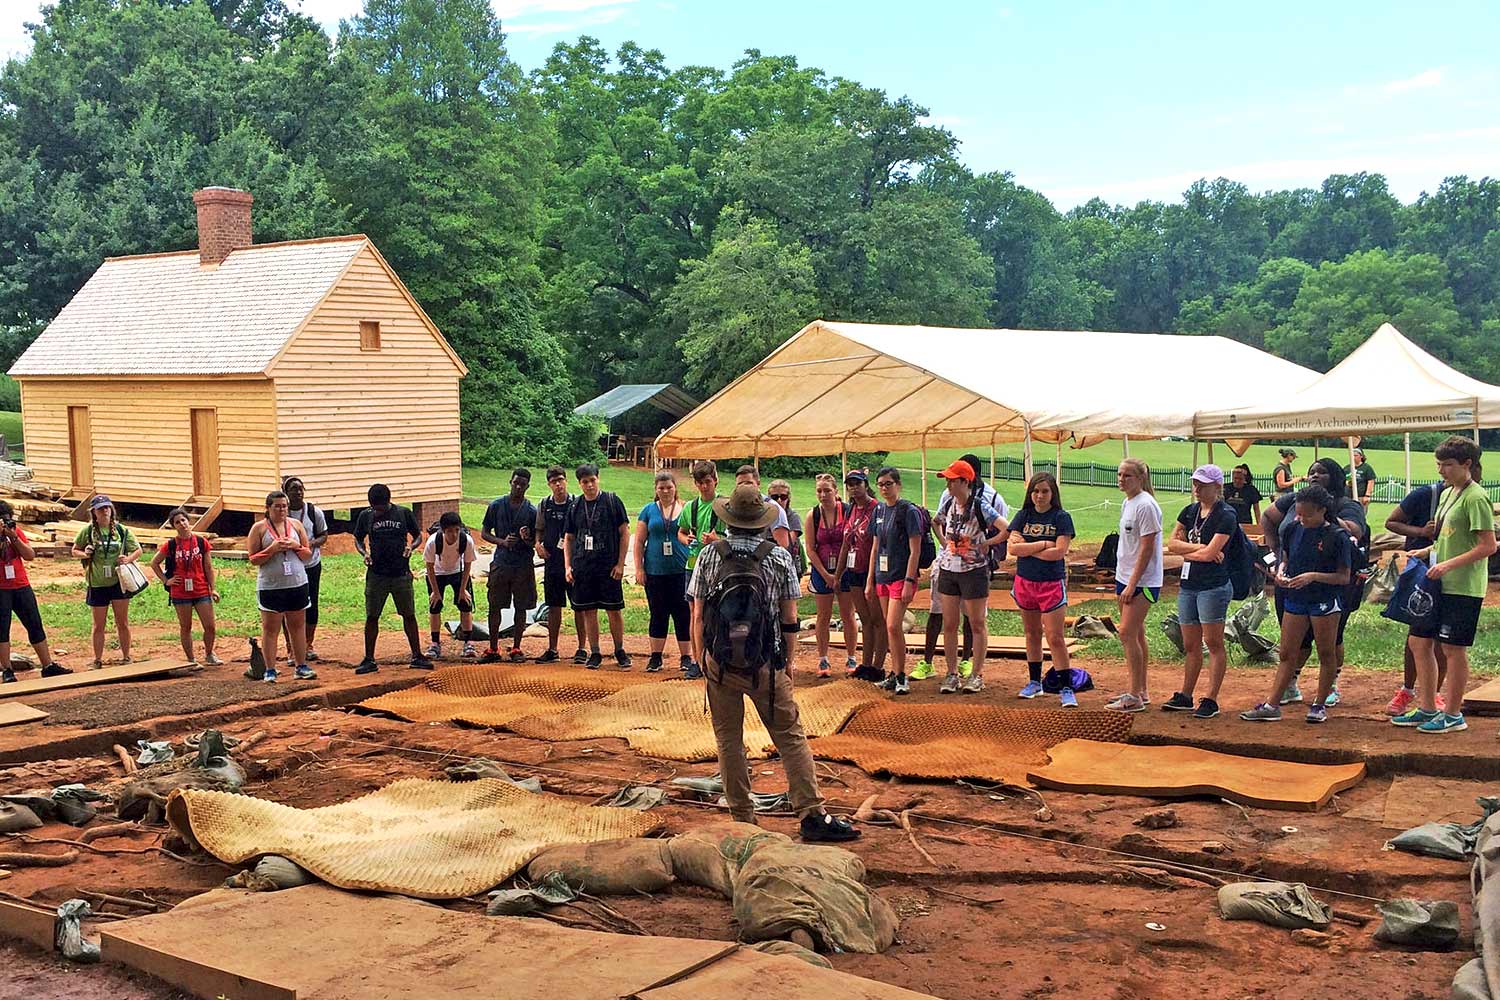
{"points": [[1039, 595], [891, 590]]}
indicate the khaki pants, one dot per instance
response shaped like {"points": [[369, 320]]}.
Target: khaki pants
{"points": [[726, 706]]}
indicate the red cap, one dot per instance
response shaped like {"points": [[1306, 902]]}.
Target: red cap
{"points": [[958, 470]]}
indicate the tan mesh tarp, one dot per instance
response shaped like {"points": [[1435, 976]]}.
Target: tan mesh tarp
{"points": [[495, 695], [963, 741], [671, 720], [430, 839]]}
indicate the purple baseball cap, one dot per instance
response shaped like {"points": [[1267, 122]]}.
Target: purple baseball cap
{"points": [[1209, 474]]}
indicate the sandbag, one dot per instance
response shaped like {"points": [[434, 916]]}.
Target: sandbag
{"points": [[15, 817], [783, 887], [639, 797], [1172, 628], [1381, 585], [483, 767], [1089, 627], [1280, 904], [794, 950], [608, 867], [711, 855], [70, 940], [154, 752], [271, 873], [1454, 841], [764, 802], [1429, 924]]}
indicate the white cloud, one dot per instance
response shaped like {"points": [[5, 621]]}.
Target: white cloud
{"points": [[1422, 81], [523, 8], [562, 27]]}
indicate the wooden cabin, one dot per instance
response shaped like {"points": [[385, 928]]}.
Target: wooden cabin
{"points": [[203, 377]]}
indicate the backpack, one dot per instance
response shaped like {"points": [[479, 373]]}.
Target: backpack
{"points": [[1239, 560], [1109, 552], [741, 624], [929, 544], [463, 539]]}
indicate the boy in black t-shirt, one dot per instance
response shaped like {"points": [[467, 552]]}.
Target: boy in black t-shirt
{"points": [[551, 526], [508, 524], [594, 547], [392, 534]]}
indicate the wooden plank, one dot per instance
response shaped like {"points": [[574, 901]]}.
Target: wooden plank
{"points": [[29, 923], [196, 977], [1485, 699], [13, 713], [86, 678]]}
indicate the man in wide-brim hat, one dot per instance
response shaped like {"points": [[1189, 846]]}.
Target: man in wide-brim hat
{"points": [[769, 686]]}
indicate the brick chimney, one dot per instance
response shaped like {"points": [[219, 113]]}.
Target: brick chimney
{"points": [[223, 222]]}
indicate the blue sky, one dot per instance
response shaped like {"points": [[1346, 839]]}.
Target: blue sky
{"points": [[1126, 100]]}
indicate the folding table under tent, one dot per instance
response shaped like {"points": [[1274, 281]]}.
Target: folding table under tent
{"points": [[837, 387], [1386, 385]]}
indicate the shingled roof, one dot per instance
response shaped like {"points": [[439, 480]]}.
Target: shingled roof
{"points": [[167, 314]]}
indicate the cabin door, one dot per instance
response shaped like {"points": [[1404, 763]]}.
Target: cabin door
{"points": [[81, 447], [205, 452]]}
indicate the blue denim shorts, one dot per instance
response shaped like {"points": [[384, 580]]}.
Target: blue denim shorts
{"points": [[1204, 607]]}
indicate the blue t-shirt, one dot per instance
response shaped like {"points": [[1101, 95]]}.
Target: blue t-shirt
{"points": [[1418, 508], [895, 527], [1201, 528], [665, 555], [501, 519], [1055, 523], [1316, 550]]}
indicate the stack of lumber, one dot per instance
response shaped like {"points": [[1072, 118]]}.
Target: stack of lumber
{"points": [[56, 537]]}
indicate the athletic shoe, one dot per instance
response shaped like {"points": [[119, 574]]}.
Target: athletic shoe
{"points": [[691, 671], [212, 660], [581, 657], [516, 656], [826, 828], [865, 672], [1068, 698], [306, 673], [270, 677], [434, 651], [950, 684], [492, 656], [1317, 713], [1400, 701], [1031, 690], [470, 651], [923, 671], [7, 676], [823, 668], [1264, 712], [973, 684], [595, 661], [366, 666], [1291, 695], [622, 659], [312, 656], [903, 684], [1127, 703], [1207, 709], [965, 667], [1179, 702], [1332, 699], [550, 656], [1442, 722], [55, 669], [653, 665], [887, 683], [850, 665], [421, 663], [1414, 718]]}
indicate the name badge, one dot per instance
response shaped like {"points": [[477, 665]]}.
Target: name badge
{"points": [[108, 570], [588, 543], [1187, 568], [666, 548], [286, 566], [885, 563], [10, 571], [850, 560], [187, 584]]}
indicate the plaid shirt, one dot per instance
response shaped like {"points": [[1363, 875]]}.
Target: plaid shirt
{"points": [[777, 569]]}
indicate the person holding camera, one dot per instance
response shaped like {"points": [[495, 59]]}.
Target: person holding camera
{"points": [[103, 547], [17, 598]]}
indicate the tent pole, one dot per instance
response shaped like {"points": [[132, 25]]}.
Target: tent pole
{"points": [[992, 476], [1058, 462], [1125, 447], [755, 457], [1476, 421], [1315, 449], [1026, 453], [1350, 484], [1195, 453], [924, 470], [1407, 443], [1210, 453]]}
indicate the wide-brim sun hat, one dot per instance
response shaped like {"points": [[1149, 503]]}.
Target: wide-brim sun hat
{"points": [[745, 508]]}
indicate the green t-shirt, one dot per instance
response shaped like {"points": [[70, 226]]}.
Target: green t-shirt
{"points": [[99, 571], [1460, 518], [699, 518]]}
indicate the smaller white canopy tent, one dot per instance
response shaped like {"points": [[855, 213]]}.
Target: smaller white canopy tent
{"points": [[1387, 385], [837, 387]]}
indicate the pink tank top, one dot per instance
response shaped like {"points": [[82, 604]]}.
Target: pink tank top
{"points": [[830, 535]]}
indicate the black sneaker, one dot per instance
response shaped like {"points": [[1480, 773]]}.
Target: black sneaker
{"points": [[653, 665], [420, 662], [581, 657], [366, 666], [550, 656], [7, 676], [594, 661], [1179, 702], [492, 656], [53, 670], [864, 672], [1207, 709], [622, 659], [827, 828], [691, 671]]}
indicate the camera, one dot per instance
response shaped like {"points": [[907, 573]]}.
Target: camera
{"points": [[9, 522]]}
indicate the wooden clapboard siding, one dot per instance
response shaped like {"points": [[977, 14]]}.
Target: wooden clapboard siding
{"points": [[348, 417], [142, 435]]}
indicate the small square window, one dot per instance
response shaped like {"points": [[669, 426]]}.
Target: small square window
{"points": [[369, 335]]}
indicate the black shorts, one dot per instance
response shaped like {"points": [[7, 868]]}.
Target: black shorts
{"points": [[555, 589], [970, 585], [21, 602], [1456, 621], [509, 585], [595, 589], [396, 588], [463, 597], [283, 601], [102, 597]]}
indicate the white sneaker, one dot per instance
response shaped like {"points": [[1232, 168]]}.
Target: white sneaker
{"points": [[213, 660]]}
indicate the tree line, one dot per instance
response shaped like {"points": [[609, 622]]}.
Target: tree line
{"points": [[609, 218]]}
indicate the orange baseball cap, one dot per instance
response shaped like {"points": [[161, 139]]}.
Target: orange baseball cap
{"points": [[958, 470]]}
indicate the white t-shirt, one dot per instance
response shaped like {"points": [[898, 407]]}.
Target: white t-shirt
{"points": [[314, 524], [447, 564], [1140, 516]]}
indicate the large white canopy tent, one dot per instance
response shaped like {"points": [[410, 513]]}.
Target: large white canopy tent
{"points": [[839, 387], [1386, 385]]}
